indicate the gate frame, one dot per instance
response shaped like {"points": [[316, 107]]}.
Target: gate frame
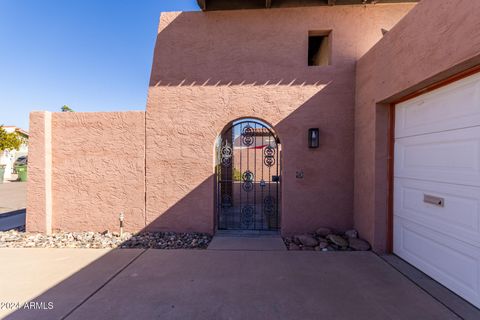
{"points": [[217, 144]]}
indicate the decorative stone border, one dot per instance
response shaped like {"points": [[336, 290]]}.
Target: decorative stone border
{"points": [[325, 239], [106, 239]]}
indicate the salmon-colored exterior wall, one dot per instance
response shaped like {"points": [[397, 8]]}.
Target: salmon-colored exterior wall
{"points": [[211, 68], [437, 39], [98, 171]]}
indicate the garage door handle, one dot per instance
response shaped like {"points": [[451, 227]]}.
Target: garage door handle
{"points": [[437, 201]]}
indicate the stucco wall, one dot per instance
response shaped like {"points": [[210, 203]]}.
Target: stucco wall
{"points": [[437, 39], [35, 218], [210, 68], [98, 162]]}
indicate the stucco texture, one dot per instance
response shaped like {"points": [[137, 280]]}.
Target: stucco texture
{"points": [[437, 39], [36, 173], [211, 68], [98, 171], [100, 159]]}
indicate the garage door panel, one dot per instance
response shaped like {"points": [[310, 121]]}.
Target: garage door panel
{"points": [[453, 263], [459, 217], [451, 157], [454, 106], [437, 185]]}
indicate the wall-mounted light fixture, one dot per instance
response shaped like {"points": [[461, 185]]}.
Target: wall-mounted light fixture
{"points": [[313, 138]]}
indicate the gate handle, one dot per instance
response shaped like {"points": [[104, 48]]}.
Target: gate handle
{"points": [[275, 178]]}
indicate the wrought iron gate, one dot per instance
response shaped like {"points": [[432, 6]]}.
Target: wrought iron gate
{"points": [[248, 177]]}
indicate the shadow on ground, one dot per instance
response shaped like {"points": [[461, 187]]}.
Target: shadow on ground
{"points": [[217, 284]]}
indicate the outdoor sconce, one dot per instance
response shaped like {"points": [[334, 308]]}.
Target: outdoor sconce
{"points": [[313, 138]]}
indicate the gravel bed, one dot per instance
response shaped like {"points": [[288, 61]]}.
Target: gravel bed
{"points": [[154, 240]]}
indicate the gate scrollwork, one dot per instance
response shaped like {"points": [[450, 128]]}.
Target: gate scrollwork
{"points": [[248, 177]]}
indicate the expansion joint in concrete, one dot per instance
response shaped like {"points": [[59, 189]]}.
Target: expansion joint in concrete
{"points": [[103, 285]]}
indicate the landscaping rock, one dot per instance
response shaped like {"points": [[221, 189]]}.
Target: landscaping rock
{"points": [[307, 240], [293, 246], [358, 244], [106, 239], [323, 232], [322, 245], [308, 248], [320, 239], [337, 240], [334, 246], [351, 233], [294, 240]]}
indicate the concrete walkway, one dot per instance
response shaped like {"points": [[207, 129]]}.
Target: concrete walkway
{"points": [[211, 284], [249, 243], [62, 276]]}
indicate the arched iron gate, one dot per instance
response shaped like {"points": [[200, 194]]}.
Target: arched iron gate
{"points": [[248, 177]]}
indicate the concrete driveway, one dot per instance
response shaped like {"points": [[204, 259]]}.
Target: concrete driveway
{"points": [[13, 201], [209, 284], [13, 196]]}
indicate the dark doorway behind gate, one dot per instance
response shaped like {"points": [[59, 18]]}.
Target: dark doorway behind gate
{"points": [[248, 177]]}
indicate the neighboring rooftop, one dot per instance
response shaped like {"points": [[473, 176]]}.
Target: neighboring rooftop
{"points": [[210, 5], [15, 129]]}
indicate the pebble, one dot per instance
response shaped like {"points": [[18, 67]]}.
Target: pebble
{"points": [[351, 233], [339, 241], [323, 232], [293, 246], [358, 244], [322, 245], [307, 240]]}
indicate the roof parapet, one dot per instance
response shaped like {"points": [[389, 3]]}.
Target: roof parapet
{"points": [[212, 5]]}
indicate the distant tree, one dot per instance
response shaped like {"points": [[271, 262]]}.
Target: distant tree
{"points": [[9, 141], [66, 108]]}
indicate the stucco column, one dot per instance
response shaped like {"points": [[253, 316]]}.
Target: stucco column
{"points": [[39, 197]]}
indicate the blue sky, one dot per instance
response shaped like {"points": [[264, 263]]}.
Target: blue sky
{"points": [[93, 55]]}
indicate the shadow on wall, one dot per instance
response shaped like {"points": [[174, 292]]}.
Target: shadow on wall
{"points": [[181, 214], [72, 292], [324, 196], [313, 97], [322, 97]]}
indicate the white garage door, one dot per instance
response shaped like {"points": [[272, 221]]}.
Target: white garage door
{"points": [[437, 185]]}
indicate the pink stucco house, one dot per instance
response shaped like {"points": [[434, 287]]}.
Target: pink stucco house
{"points": [[284, 117]]}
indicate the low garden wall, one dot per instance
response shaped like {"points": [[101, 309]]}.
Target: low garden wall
{"points": [[85, 169]]}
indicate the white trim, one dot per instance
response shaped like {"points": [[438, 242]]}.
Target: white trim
{"points": [[48, 171]]}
